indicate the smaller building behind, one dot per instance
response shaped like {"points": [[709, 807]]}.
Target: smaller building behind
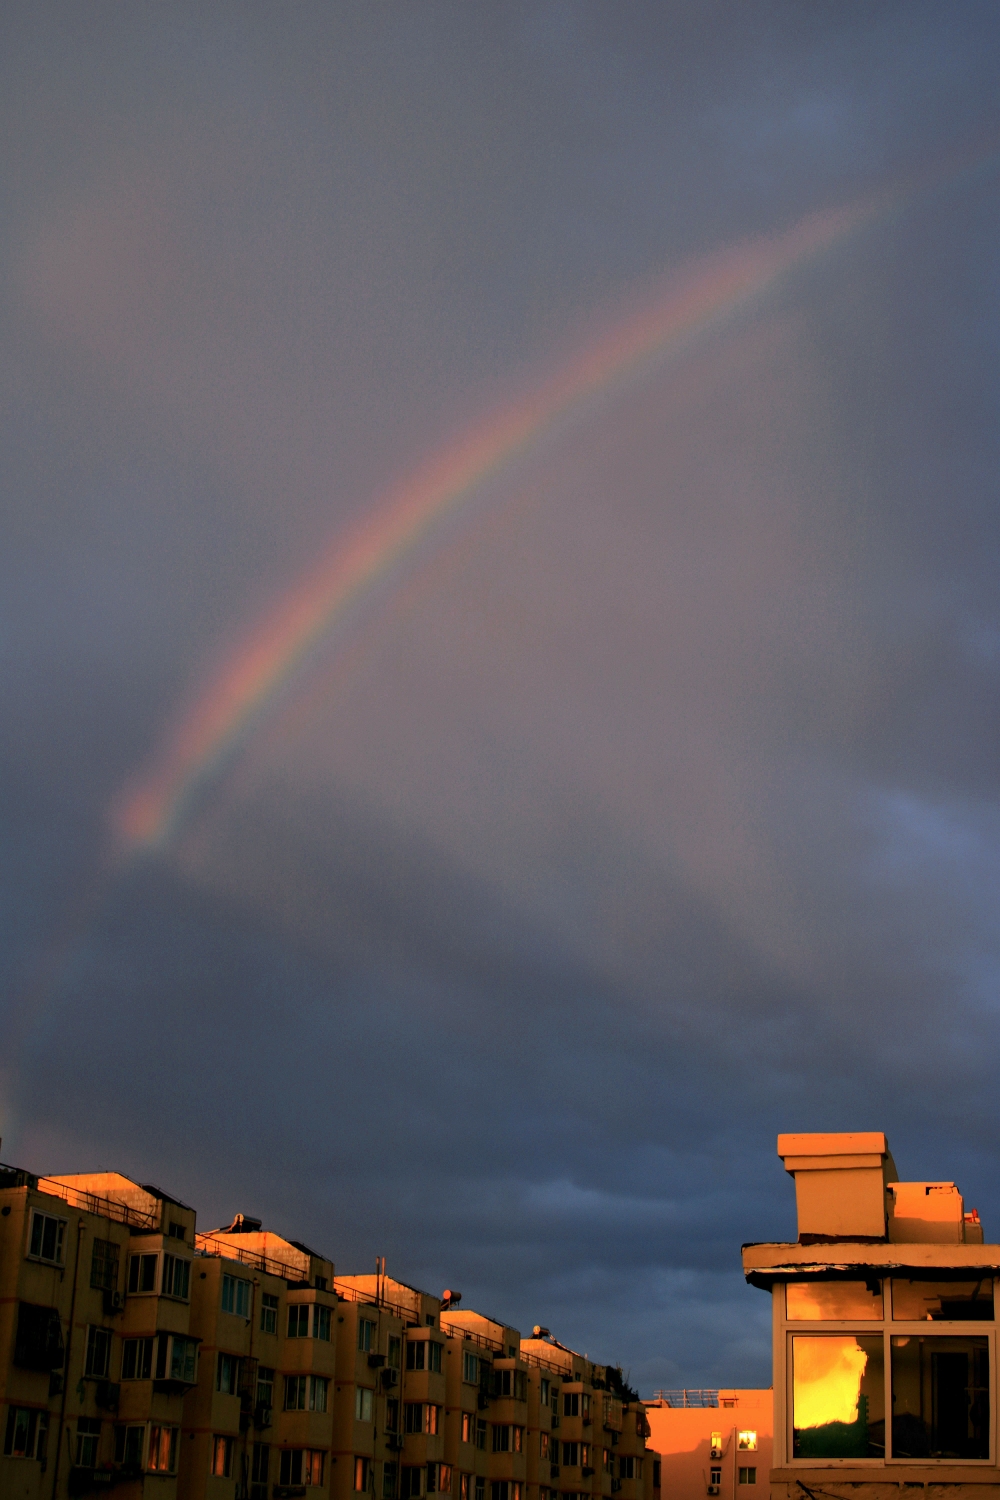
{"points": [[712, 1442]]}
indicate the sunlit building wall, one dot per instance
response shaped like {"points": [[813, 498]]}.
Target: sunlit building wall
{"points": [[713, 1443]]}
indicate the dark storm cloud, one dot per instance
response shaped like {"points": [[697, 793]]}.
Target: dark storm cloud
{"points": [[662, 813]]}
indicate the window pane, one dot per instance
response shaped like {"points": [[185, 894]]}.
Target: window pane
{"points": [[940, 1397], [930, 1301], [838, 1397], [828, 1301]]}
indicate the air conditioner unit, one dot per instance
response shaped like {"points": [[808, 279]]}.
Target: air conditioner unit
{"points": [[715, 1453], [389, 1379], [114, 1302], [714, 1489]]}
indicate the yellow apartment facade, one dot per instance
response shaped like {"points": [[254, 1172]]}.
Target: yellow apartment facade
{"points": [[884, 1320], [713, 1442], [142, 1356]]}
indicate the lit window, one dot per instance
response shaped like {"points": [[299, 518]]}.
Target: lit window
{"points": [[467, 1433], [163, 1449], [301, 1466], [25, 1433], [222, 1456], [838, 1396], [362, 1473], [46, 1241], [746, 1442]]}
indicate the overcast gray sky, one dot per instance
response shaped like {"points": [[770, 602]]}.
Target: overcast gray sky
{"points": [[649, 808]]}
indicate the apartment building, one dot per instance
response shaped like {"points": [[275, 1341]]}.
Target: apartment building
{"points": [[141, 1355], [884, 1319], [713, 1442]]}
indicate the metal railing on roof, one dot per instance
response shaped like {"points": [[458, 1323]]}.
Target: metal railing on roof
{"points": [[546, 1364], [687, 1398], [459, 1331], [372, 1299], [94, 1203], [207, 1244]]}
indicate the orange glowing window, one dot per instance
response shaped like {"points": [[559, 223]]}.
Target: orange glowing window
{"points": [[833, 1301], [838, 1396]]}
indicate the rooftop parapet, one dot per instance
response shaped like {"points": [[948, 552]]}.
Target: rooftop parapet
{"points": [[841, 1184]]}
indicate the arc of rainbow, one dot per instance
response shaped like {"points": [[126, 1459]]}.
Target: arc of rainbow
{"points": [[152, 809]]}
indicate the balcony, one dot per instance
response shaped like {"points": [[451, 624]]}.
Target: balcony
{"points": [[106, 1395]]}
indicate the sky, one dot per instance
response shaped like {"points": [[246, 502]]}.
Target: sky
{"points": [[510, 490]]}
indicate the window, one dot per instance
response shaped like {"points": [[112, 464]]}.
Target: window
{"points": [[390, 1480], [607, 1461], [46, 1241], [298, 1320], [746, 1442], [544, 1391], [366, 1335], [504, 1489], [236, 1296], [470, 1368], [38, 1342], [748, 1476], [510, 1383], [176, 1232], [227, 1375], [268, 1313], [104, 1266], [142, 1273], [571, 1404], [319, 1283], [413, 1483], [306, 1392], [129, 1443], [392, 1415], [222, 1456], [88, 1440], [571, 1455], [163, 1449], [301, 1466], [467, 1427], [626, 1468], [507, 1439], [176, 1277], [260, 1464], [554, 1402], [585, 1406], [715, 1476], [481, 1433], [585, 1455], [97, 1360], [838, 1396], [265, 1385], [362, 1473], [463, 1487], [321, 1322], [716, 1444], [424, 1354], [544, 1445], [137, 1359], [177, 1358], [429, 1319], [420, 1416], [439, 1479], [830, 1301], [940, 1397], [25, 1434], [392, 1358], [362, 1404], [656, 1473], [434, 1352], [935, 1301], [480, 1487]]}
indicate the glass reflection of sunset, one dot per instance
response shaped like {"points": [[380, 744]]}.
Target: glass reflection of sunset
{"points": [[827, 1374]]}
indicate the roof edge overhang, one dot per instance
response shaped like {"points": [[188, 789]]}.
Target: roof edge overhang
{"points": [[764, 1264]]}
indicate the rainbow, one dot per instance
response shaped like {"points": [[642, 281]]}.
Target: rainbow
{"points": [[153, 808]]}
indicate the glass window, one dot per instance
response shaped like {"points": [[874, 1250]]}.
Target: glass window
{"points": [[748, 1476], [362, 1404], [832, 1301], [321, 1322], [416, 1355], [268, 1313], [747, 1441], [88, 1437], [838, 1396], [163, 1449], [390, 1474], [298, 1320], [98, 1357], [318, 1387], [236, 1296], [295, 1392], [128, 1446], [261, 1463], [932, 1301], [434, 1356], [366, 1335], [940, 1397], [265, 1385], [176, 1277], [392, 1358], [228, 1374], [470, 1368], [47, 1237], [222, 1457], [142, 1273], [104, 1267], [183, 1363], [362, 1467], [137, 1359]]}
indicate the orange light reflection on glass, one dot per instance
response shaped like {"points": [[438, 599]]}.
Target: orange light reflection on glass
{"points": [[827, 1376]]}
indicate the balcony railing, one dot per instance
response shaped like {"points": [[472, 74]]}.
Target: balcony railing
{"points": [[207, 1244], [457, 1331], [350, 1293]]}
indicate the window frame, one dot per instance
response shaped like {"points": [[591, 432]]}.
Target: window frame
{"points": [[98, 1335], [40, 1215], [786, 1329]]}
